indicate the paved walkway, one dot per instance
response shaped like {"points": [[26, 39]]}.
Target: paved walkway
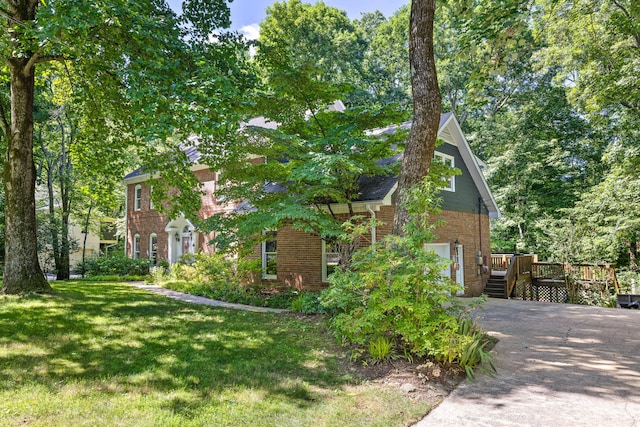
{"points": [[558, 365], [202, 300]]}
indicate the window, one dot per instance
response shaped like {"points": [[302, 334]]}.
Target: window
{"points": [[269, 255], [153, 249], [330, 258], [136, 246], [448, 161], [150, 199], [137, 198]]}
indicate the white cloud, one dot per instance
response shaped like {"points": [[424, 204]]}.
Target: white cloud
{"points": [[251, 32]]}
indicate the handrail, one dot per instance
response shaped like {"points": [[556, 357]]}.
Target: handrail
{"points": [[510, 278], [521, 265]]}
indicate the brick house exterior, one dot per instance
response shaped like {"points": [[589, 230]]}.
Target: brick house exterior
{"points": [[303, 260]]}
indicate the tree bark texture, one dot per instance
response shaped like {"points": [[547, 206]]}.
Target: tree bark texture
{"points": [[426, 106], [22, 272]]}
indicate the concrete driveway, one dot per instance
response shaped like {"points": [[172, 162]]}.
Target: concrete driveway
{"points": [[558, 365]]}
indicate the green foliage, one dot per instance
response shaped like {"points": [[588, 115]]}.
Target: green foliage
{"points": [[219, 277], [381, 349], [396, 290], [474, 352], [115, 264], [307, 303], [318, 154], [628, 281]]}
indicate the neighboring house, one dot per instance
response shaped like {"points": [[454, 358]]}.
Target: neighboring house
{"points": [[100, 237], [295, 258]]}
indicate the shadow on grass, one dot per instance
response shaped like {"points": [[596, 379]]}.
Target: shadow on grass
{"points": [[122, 339]]}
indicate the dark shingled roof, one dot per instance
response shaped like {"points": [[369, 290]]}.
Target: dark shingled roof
{"points": [[372, 188], [190, 150]]}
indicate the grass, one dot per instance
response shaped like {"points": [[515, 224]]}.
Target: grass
{"points": [[109, 354]]}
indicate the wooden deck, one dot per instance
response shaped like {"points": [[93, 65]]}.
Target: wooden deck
{"points": [[526, 278]]}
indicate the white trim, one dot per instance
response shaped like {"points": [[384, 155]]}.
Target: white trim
{"points": [[451, 179], [146, 176], [325, 276], [176, 230], [264, 257], [474, 168], [135, 253], [451, 133], [137, 201], [151, 236], [459, 259]]}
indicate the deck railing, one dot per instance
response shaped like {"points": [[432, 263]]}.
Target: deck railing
{"points": [[575, 283], [500, 262]]}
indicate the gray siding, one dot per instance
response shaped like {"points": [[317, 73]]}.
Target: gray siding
{"points": [[466, 196]]}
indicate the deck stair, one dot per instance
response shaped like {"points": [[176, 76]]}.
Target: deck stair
{"points": [[496, 285]]}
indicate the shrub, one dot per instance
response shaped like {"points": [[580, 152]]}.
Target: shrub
{"points": [[395, 290], [219, 277], [115, 264], [628, 281], [307, 303]]}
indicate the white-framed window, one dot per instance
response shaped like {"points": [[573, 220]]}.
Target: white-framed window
{"points": [[137, 197], [153, 249], [449, 161], [150, 198], [270, 255], [330, 258], [136, 246]]}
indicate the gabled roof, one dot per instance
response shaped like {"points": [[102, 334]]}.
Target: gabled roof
{"points": [[379, 188], [450, 132]]}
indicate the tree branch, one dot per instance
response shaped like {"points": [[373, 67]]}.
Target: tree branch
{"points": [[32, 62], [630, 18], [10, 17]]}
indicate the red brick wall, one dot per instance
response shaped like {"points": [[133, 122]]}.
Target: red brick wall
{"points": [[300, 254], [144, 222], [464, 228], [147, 221]]}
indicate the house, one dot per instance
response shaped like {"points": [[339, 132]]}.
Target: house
{"points": [[295, 258]]}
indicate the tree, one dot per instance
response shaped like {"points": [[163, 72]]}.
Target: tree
{"points": [[595, 46], [385, 77], [318, 153], [139, 73], [426, 106]]}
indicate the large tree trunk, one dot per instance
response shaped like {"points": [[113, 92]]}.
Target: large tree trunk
{"points": [[22, 272], [426, 106]]}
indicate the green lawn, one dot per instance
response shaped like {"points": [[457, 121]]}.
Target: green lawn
{"points": [[109, 354]]}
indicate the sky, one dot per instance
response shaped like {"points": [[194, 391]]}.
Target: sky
{"points": [[247, 14]]}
